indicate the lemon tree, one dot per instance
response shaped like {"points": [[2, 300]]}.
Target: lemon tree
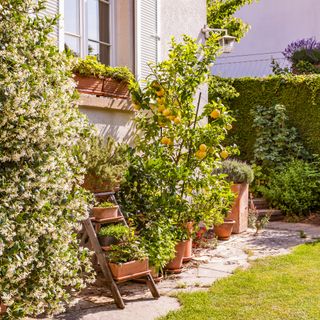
{"points": [[179, 143]]}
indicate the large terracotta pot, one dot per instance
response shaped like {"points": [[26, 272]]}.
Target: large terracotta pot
{"points": [[239, 212], [224, 230], [105, 213], [187, 256], [122, 271], [175, 264]]}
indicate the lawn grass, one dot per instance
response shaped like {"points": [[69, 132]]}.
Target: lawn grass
{"points": [[279, 288]]}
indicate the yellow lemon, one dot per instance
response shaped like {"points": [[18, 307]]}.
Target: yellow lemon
{"points": [[166, 112], [200, 154], [215, 114], [177, 120], [224, 154], [229, 126], [171, 118], [136, 106], [165, 140], [160, 92], [203, 147], [161, 108], [161, 100]]}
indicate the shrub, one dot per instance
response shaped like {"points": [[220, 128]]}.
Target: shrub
{"points": [[299, 94], [129, 249], [117, 231], [90, 66], [106, 164], [41, 166], [295, 189], [236, 171], [106, 205], [276, 142]]}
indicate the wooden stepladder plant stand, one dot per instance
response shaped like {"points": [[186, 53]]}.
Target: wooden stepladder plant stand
{"points": [[89, 238]]}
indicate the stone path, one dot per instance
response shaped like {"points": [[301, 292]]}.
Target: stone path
{"points": [[207, 266]]}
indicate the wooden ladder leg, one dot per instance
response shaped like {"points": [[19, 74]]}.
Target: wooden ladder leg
{"points": [[152, 287], [103, 264]]}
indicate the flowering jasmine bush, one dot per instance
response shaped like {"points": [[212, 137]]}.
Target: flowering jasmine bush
{"points": [[41, 166]]}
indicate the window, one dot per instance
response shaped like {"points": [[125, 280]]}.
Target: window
{"points": [[87, 28]]}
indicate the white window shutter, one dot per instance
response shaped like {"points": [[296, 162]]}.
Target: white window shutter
{"points": [[147, 36], [52, 9]]}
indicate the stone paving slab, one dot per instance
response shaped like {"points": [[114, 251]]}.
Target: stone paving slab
{"points": [[208, 265]]}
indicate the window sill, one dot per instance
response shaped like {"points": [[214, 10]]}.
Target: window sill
{"points": [[89, 100]]}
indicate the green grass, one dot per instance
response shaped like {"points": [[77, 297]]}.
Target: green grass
{"points": [[279, 288]]}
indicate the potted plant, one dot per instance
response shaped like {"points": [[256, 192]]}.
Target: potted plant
{"points": [[106, 164], [127, 259], [187, 256], [93, 77], [105, 210], [112, 234], [240, 175], [224, 230]]}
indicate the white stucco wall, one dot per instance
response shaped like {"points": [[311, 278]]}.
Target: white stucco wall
{"points": [[178, 17], [274, 24]]}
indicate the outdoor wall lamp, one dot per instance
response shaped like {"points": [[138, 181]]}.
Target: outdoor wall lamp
{"points": [[226, 41]]}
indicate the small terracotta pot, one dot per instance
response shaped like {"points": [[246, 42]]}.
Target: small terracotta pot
{"points": [[105, 213], [224, 230], [122, 271], [175, 264]]}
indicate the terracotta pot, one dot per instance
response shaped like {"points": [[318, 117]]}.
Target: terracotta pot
{"points": [[175, 264], [105, 213], [187, 256], [224, 230], [107, 241], [239, 212], [3, 308], [122, 271]]}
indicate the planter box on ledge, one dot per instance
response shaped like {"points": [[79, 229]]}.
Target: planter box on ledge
{"points": [[239, 211], [102, 87]]}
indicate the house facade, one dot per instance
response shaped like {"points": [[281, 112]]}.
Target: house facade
{"points": [[123, 33], [274, 24]]}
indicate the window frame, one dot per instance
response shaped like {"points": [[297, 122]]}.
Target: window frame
{"points": [[83, 36]]}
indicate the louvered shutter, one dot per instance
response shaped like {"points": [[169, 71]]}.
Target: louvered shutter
{"points": [[148, 40], [52, 9]]}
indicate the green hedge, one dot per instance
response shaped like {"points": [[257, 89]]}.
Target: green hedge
{"points": [[300, 95]]}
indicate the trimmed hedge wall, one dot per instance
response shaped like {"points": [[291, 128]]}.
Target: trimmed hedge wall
{"points": [[299, 94]]}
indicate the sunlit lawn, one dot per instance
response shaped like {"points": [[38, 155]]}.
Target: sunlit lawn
{"points": [[283, 288]]}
